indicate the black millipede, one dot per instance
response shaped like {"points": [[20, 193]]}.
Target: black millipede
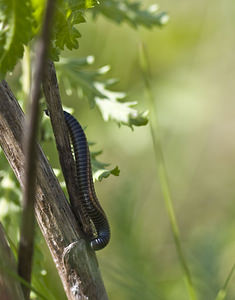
{"points": [[90, 202]]}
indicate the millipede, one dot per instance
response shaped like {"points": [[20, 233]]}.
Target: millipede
{"points": [[90, 201]]}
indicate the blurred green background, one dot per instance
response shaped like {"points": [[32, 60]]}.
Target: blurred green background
{"points": [[193, 70], [193, 81]]}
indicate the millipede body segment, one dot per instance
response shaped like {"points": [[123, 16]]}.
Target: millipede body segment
{"points": [[85, 180]]}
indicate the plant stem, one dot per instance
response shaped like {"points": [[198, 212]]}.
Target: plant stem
{"points": [[222, 292], [162, 172], [25, 255]]}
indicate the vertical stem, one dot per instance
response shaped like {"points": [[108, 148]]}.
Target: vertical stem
{"points": [[162, 172], [222, 292], [27, 224], [229, 277]]}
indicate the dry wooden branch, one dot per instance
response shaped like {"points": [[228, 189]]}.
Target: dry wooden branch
{"points": [[75, 261], [52, 94], [10, 288]]}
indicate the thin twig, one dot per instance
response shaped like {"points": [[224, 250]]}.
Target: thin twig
{"points": [[162, 172], [31, 128]]}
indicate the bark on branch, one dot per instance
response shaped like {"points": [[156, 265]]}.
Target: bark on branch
{"points": [[75, 261], [52, 95]]}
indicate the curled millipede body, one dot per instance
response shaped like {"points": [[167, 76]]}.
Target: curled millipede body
{"points": [[84, 175]]}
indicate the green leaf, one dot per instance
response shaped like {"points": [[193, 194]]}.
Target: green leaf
{"points": [[132, 13], [38, 12], [68, 14], [20, 21], [65, 32], [99, 170], [97, 91], [16, 30], [121, 112]]}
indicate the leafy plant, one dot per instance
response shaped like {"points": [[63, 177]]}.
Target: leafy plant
{"points": [[20, 24], [132, 13], [18, 31], [16, 23], [90, 84]]}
